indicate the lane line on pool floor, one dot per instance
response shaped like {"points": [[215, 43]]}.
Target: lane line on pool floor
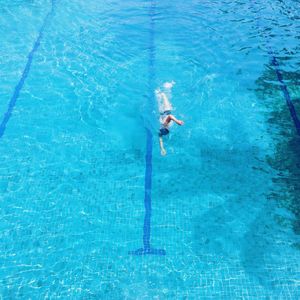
{"points": [[283, 86], [147, 249], [26, 70], [286, 94]]}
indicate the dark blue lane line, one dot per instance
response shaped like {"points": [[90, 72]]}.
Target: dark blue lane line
{"points": [[26, 70], [147, 249], [286, 94], [284, 89]]}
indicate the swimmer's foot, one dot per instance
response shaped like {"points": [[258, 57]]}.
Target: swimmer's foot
{"points": [[163, 152]]}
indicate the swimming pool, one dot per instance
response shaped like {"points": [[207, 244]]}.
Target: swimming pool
{"points": [[83, 185]]}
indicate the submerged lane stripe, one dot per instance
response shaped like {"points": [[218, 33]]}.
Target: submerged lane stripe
{"points": [[284, 89], [286, 94], [149, 141], [25, 73], [149, 147], [148, 188]]}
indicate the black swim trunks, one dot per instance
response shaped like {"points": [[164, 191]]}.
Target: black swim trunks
{"points": [[163, 131]]}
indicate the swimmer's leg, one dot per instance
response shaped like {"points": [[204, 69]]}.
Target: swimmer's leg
{"points": [[162, 148]]}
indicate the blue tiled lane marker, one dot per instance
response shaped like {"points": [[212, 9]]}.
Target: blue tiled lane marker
{"points": [[286, 94], [25, 73], [147, 249], [284, 89]]}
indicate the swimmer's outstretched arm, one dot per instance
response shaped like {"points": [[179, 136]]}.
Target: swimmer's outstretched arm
{"points": [[161, 145], [172, 118], [166, 103]]}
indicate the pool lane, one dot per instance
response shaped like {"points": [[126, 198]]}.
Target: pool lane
{"points": [[147, 249], [26, 70], [286, 94], [276, 66], [74, 172], [19, 26], [214, 183]]}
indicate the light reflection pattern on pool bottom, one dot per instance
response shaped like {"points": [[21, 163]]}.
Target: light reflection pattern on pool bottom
{"points": [[72, 173]]}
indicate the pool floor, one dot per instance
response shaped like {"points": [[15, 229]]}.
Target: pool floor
{"points": [[83, 184]]}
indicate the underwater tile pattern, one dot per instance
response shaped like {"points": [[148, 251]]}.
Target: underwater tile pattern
{"points": [[225, 204]]}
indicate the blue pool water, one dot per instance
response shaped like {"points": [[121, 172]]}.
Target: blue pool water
{"points": [[83, 184]]}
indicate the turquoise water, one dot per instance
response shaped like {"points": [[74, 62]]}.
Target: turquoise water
{"points": [[225, 199]]}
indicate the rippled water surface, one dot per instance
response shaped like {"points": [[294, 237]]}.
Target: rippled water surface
{"points": [[78, 77]]}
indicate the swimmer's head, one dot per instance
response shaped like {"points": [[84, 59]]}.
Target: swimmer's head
{"points": [[168, 85]]}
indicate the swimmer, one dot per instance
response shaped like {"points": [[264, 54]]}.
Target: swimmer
{"points": [[165, 110]]}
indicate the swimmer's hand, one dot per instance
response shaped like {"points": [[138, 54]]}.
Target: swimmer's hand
{"points": [[157, 92], [180, 122]]}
